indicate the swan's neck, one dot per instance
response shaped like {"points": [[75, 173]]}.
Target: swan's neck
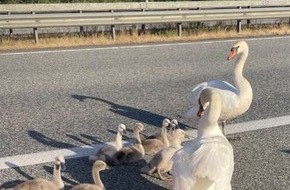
{"points": [[208, 131], [245, 93], [119, 142], [97, 178], [164, 136], [208, 124], [57, 177], [241, 83]]}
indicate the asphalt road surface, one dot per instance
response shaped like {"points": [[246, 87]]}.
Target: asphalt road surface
{"points": [[67, 98]]}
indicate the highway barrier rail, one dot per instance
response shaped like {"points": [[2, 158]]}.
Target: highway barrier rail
{"points": [[110, 14]]}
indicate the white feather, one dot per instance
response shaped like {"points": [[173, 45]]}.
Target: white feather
{"points": [[236, 99], [205, 158], [207, 162]]}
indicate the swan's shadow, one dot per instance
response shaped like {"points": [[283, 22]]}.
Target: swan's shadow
{"points": [[140, 115]]}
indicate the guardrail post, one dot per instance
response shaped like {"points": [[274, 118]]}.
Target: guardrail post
{"points": [[10, 29], [35, 35], [143, 26], [239, 23], [113, 32], [81, 27], [249, 21], [35, 32], [198, 25], [179, 27], [134, 30], [113, 29]]}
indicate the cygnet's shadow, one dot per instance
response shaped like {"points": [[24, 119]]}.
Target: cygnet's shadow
{"points": [[115, 178], [58, 144], [143, 116], [47, 140], [13, 183], [77, 139], [124, 137], [285, 151], [66, 180], [94, 139]]}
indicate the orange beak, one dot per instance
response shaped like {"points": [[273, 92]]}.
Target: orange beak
{"points": [[232, 54]]}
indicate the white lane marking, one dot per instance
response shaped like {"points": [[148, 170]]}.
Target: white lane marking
{"points": [[258, 124], [142, 46], [83, 151]]}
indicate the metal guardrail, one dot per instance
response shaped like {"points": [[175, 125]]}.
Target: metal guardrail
{"points": [[134, 6], [139, 17], [119, 18]]}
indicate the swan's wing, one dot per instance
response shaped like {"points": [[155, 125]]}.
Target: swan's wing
{"points": [[219, 84], [194, 94], [228, 92], [182, 179], [223, 85], [211, 160]]}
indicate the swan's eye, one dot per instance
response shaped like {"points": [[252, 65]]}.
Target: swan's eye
{"points": [[235, 48], [233, 52]]}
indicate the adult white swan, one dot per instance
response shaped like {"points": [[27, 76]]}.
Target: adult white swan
{"points": [[206, 163], [236, 99]]}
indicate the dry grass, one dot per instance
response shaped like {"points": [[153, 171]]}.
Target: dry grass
{"points": [[167, 36]]}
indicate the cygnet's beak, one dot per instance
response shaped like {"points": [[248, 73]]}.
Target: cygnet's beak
{"points": [[176, 126], [124, 131]]}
